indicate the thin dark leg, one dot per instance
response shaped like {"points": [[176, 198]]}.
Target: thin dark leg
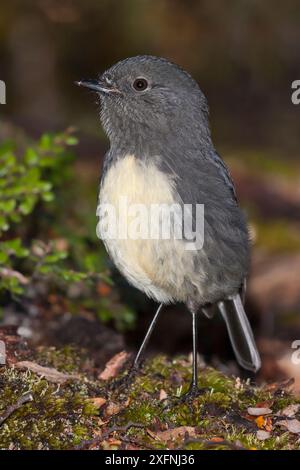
{"points": [[127, 379], [194, 384], [194, 390], [146, 339]]}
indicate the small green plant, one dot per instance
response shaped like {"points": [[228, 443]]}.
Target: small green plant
{"points": [[27, 183], [42, 239]]}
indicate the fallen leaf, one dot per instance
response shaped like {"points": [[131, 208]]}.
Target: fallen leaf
{"points": [[276, 387], [114, 442], [162, 394], [264, 404], [216, 439], [112, 409], [51, 374], [260, 421], [289, 411], [292, 425], [114, 365], [263, 435], [268, 424], [175, 433], [97, 401], [259, 411]]}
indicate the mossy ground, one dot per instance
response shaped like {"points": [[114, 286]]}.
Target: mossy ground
{"points": [[66, 416]]}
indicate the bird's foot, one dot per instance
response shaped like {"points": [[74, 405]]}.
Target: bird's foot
{"points": [[122, 384], [187, 398], [193, 392]]}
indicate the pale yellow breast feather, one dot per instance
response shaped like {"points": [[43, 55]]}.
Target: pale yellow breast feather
{"points": [[140, 183]]}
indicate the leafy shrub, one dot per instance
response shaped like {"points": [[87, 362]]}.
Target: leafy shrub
{"points": [[26, 181], [31, 185]]}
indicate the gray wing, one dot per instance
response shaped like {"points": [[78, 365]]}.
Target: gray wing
{"points": [[224, 171]]}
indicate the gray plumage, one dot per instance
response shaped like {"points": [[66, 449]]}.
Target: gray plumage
{"points": [[166, 126]]}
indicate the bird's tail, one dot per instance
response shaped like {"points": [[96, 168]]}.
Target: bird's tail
{"points": [[240, 333]]}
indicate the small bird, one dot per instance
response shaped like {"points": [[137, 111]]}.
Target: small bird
{"points": [[161, 153]]}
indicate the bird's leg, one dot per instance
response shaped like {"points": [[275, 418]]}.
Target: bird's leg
{"points": [[194, 390], [127, 379], [143, 346], [194, 384]]}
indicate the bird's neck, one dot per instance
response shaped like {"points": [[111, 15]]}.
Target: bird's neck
{"points": [[144, 142]]}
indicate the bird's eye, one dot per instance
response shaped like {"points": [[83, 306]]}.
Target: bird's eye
{"points": [[140, 84]]}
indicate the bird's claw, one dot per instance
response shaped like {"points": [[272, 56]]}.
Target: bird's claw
{"points": [[187, 398], [123, 383]]}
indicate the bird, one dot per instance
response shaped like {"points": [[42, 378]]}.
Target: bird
{"points": [[161, 153]]}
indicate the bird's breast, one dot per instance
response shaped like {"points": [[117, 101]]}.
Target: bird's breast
{"points": [[129, 188], [139, 181]]}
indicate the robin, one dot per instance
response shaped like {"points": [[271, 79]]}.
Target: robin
{"points": [[161, 154]]}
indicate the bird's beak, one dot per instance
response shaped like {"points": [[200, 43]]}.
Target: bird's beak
{"points": [[99, 86]]}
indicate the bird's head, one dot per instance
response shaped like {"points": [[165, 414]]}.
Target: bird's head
{"points": [[148, 94]]}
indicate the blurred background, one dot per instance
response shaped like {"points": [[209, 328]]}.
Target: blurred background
{"points": [[57, 285]]}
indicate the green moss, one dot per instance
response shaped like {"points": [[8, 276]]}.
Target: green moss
{"points": [[61, 417], [141, 412], [67, 359], [57, 418]]}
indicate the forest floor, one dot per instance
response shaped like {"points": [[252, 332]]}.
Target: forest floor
{"points": [[59, 399]]}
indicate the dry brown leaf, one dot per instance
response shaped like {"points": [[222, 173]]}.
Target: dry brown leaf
{"points": [[259, 411], [280, 386], [112, 409], [114, 365], [51, 374], [268, 424], [175, 433], [216, 439], [97, 401], [114, 442], [162, 394]]}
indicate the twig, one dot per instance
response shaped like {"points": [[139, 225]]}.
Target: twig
{"points": [[125, 428], [12, 408], [6, 272], [109, 431]]}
